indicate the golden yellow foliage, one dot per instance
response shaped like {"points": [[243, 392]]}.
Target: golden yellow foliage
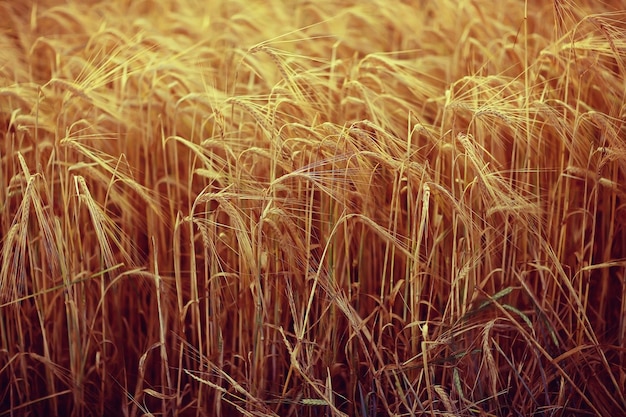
{"points": [[274, 207]]}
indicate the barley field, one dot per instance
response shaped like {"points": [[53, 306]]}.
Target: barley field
{"points": [[312, 208]]}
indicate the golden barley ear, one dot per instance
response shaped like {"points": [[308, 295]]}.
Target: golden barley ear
{"points": [[301, 208]]}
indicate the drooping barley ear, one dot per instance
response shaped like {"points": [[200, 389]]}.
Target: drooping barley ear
{"points": [[612, 34], [486, 111], [12, 270], [69, 86], [252, 112], [274, 57], [99, 221]]}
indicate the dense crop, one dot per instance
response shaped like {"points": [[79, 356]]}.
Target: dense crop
{"points": [[304, 208]]}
